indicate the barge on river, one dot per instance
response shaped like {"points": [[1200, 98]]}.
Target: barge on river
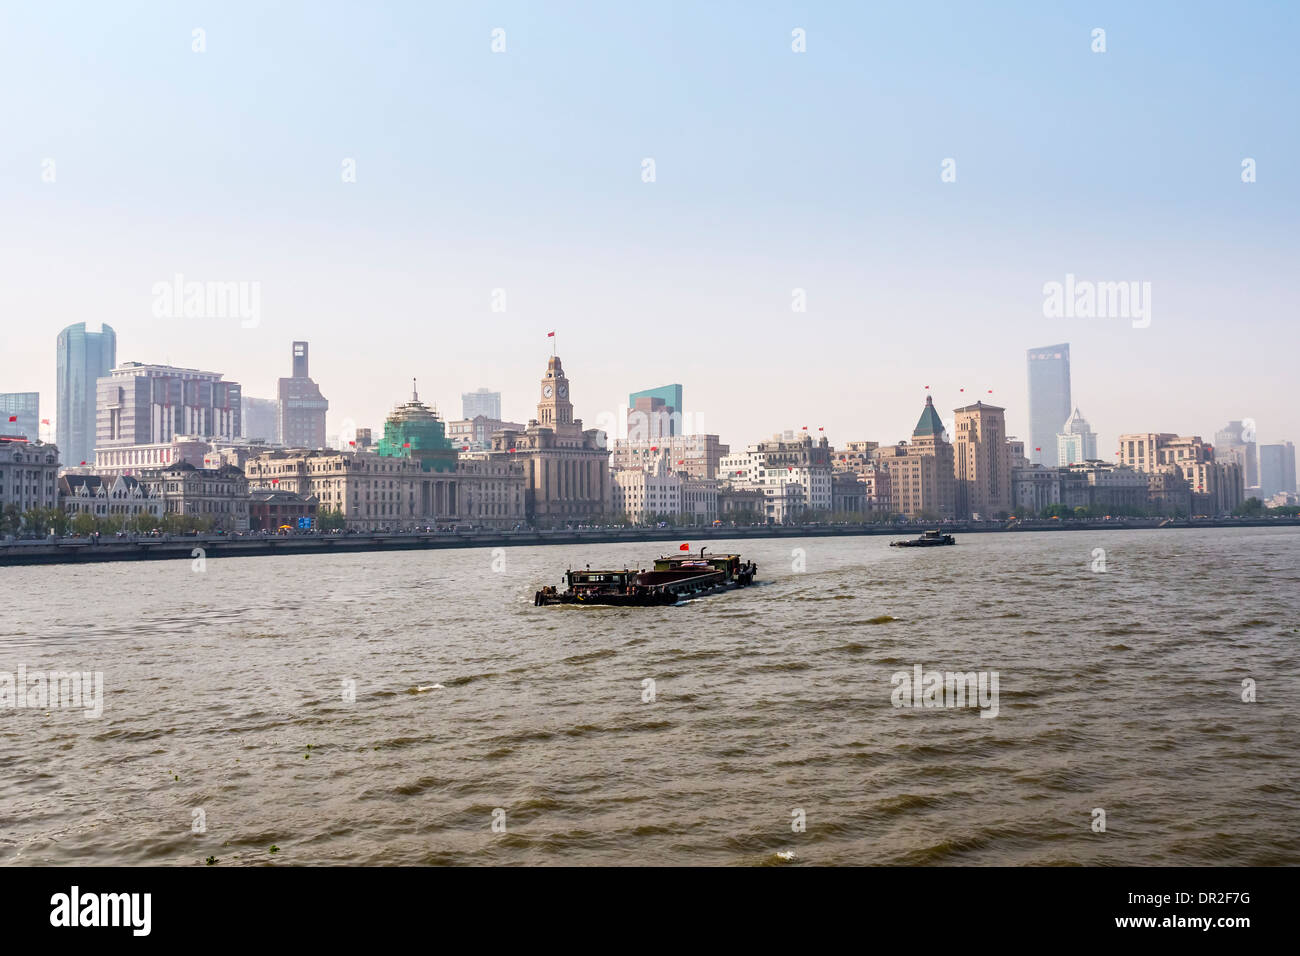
{"points": [[674, 578]]}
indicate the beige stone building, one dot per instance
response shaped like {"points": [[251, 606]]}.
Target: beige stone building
{"points": [[389, 493], [219, 494], [921, 482], [981, 462], [565, 467]]}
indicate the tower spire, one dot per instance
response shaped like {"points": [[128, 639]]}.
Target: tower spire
{"points": [[415, 395]]}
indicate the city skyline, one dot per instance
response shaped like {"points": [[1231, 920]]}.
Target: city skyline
{"points": [[897, 268], [1105, 446]]}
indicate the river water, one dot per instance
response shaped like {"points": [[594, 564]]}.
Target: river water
{"points": [[417, 709]]}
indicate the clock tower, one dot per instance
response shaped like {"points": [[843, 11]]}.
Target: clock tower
{"points": [[554, 407]]}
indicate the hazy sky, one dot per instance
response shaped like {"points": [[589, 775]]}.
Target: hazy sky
{"points": [[774, 171]]}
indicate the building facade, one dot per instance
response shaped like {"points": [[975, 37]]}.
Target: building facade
{"points": [[376, 492], [793, 473], [261, 420], [219, 495], [922, 480], [475, 434], [981, 462], [699, 456], [1237, 441], [1049, 400], [480, 404], [83, 359], [152, 405], [1077, 441], [566, 467], [112, 497], [28, 475], [20, 415], [1276, 469], [655, 413], [302, 406]]}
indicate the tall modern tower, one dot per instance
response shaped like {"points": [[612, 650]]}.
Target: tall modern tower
{"points": [[1276, 469], [1049, 401], [83, 358], [302, 406]]}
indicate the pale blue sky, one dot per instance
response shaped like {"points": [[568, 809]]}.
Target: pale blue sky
{"points": [[775, 171]]}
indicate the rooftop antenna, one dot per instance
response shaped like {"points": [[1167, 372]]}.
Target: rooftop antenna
{"points": [[415, 396]]}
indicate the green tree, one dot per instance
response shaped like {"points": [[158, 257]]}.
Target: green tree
{"points": [[330, 519]]}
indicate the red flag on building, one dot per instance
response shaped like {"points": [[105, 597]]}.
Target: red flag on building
{"points": [[45, 421], [550, 335], [351, 443], [13, 418], [406, 444]]}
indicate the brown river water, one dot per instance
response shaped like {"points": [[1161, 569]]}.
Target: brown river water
{"points": [[417, 709]]}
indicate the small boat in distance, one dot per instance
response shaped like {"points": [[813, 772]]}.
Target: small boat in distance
{"points": [[674, 577], [931, 539]]}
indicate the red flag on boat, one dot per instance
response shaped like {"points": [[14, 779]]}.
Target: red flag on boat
{"points": [[685, 547]]}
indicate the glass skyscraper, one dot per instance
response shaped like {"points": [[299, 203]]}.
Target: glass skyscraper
{"points": [[1049, 401], [83, 358], [20, 414]]}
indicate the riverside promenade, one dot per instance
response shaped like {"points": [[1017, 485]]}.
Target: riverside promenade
{"points": [[74, 550]]}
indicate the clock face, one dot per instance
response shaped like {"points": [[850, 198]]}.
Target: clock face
{"points": [[547, 391], [564, 390]]}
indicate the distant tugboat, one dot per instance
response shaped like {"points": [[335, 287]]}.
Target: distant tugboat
{"points": [[931, 539], [674, 577]]}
